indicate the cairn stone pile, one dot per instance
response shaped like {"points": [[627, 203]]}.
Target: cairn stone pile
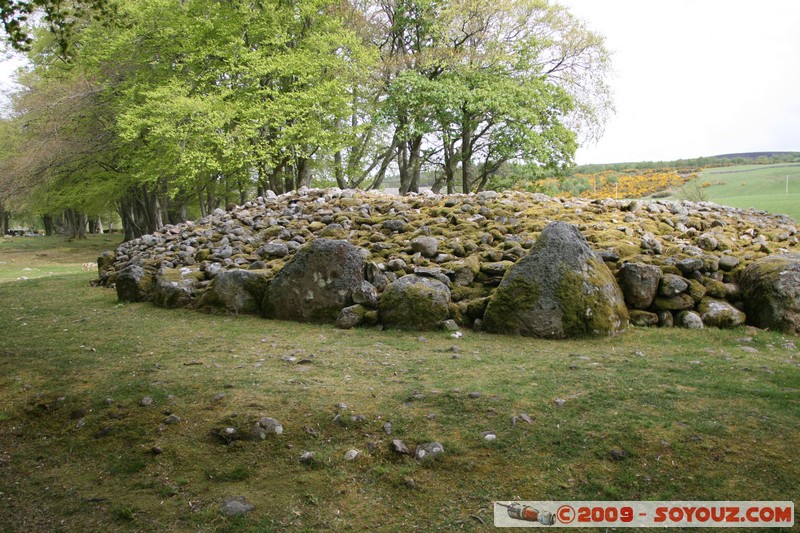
{"points": [[508, 262]]}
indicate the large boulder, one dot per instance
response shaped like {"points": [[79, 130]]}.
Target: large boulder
{"points": [[771, 292], [238, 291], [414, 302], [639, 284], [134, 283], [561, 289], [317, 283]]}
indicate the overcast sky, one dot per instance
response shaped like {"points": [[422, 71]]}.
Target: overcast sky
{"points": [[697, 77], [693, 77]]}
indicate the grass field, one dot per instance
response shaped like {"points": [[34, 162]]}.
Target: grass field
{"points": [[757, 186], [652, 414]]}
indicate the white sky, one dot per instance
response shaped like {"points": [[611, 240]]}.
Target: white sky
{"points": [[697, 77], [691, 77]]}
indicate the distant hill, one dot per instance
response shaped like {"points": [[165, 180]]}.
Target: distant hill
{"points": [[757, 155]]}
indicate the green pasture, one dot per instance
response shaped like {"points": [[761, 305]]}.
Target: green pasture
{"points": [[755, 186]]}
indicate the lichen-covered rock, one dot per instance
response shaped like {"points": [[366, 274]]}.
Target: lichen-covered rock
{"points": [[720, 314], [675, 303], [561, 289], [672, 285], [174, 288], [643, 318], [414, 302], [639, 284], [317, 283], [238, 291], [689, 319], [134, 283], [771, 292], [351, 317]]}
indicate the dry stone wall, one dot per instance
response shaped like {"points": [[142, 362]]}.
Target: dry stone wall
{"points": [[676, 263]]}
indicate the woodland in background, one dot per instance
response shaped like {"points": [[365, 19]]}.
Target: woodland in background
{"points": [[160, 110]]}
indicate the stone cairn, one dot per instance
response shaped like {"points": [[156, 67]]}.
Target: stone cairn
{"points": [[510, 262]]}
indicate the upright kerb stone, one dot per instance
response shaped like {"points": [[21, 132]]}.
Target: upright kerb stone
{"points": [[561, 289]]}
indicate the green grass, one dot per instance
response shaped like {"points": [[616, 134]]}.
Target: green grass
{"points": [[757, 186], [698, 416], [36, 257]]}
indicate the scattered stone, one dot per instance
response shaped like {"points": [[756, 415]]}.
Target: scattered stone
{"points": [[172, 419], [524, 417], [218, 397], [560, 402], [400, 447], [351, 455], [270, 425], [618, 454], [156, 450], [428, 451], [147, 400], [236, 506], [307, 457], [489, 436], [474, 394], [387, 428], [410, 483]]}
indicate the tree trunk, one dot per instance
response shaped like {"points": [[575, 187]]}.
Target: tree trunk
{"points": [[4, 218], [49, 226]]}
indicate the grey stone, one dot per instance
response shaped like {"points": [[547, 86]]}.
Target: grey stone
{"points": [[690, 320], [414, 302], [274, 249], [690, 264], [672, 285], [639, 284], [428, 451], [238, 291], [561, 289], [236, 506], [425, 245], [317, 283], [720, 314], [351, 317], [771, 292], [366, 294], [728, 262], [134, 284]]}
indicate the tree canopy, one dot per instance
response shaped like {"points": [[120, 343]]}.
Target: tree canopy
{"points": [[162, 108]]}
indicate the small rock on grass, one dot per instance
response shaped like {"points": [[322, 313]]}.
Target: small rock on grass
{"points": [[172, 419], [560, 402], [307, 457], [428, 451], [489, 436], [618, 454], [236, 506], [351, 455], [147, 400], [524, 417], [400, 447]]}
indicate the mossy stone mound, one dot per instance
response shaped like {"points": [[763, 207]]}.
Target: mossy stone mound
{"points": [[317, 283], [414, 302], [771, 291], [559, 290]]}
